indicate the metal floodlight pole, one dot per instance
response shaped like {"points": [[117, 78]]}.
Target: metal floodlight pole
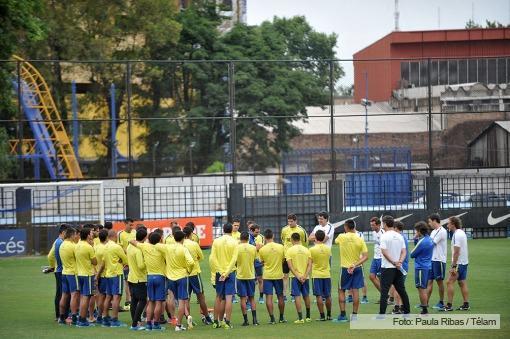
{"points": [[128, 111], [366, 120], [154, 148], [19, 149], [191, 145], [332, 120], [429, 95], [231, 94], [113, 123]]}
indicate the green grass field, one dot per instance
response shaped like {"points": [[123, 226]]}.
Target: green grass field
{"points": [[26, 304]]}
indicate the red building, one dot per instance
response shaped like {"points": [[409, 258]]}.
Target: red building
{"points": [[467, 59]]}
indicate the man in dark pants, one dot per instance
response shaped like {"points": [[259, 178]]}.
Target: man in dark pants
{"points": [[137, 280], [393, 254], [56, 263]]}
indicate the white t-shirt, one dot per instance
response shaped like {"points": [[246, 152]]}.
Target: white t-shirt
{"points": [[360, 234], [439, 237], [393, 242], [329, 230], [459, 239], [377, 242]]}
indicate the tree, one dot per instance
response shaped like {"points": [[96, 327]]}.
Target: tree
{"points": [[488, 24]]}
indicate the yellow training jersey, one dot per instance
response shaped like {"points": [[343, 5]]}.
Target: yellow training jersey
{"points": [[196, 253], [114, 259], [84, 253], [320, 261], [272, 254], [179, 262], [67, 256], [246, 255], [169, 240], [99, 249], [351, 248], [124, 237], [96, 241], [137, 269], [299, 256], [288, 231], [195, 238], [153, 258], [224, 254], [237, 236]]}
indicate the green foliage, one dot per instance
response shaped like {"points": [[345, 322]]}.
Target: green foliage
{"points": [[7, 161], [215, 167], [488, 24]]}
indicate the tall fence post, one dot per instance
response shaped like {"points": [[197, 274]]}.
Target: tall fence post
{"points": [[236, 204], [433, 194], [332, 122], [24, 215], [128, 112], [231, 106], [429, 95], [336, 196], [19, 149], [133, 205]]}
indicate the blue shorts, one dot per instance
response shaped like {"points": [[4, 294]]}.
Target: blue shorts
{"points": [[354, 280], [322, 287], [115, 285], [226, 287], [70, 283], [245, 287], [156, 287], [462, 272], [86, 285], [195, 284], [437, 272], [102, 285], [179, 288], [269, 284], [299, 289], [375, 266], [259, 269], [421, 277]]}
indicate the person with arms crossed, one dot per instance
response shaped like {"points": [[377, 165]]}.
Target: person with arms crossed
{"points": [[137, 280], [353, 253], [272, 256], [422, 254], [223, 260], [299, 260], [439, 236], [85, 261], [291, 228], [246, 256], [70, 287], [459, 268], [321, 275], [393, 250], [55, 262]]}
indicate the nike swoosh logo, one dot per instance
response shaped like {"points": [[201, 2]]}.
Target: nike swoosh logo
{"points": [[493, 221], [445, 221], [340, 223], [402, 218]]}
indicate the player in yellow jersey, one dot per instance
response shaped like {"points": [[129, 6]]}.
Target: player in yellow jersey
{"points": [[123, 238], [257, 240], [272, 256], [223, 261], [321, 274], [113, 261], [194, 236], [56, 263], [299, 260], [137, 280], [85, 261], [353, 253], [100, 278], [169, 240], [70, 286], [291, 228], [246, 277], [195, 280], [236, 223]]}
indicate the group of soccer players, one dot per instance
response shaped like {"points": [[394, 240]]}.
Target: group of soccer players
{"points": [[94, 265]]}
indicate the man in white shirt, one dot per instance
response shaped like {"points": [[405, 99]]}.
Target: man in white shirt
{"points": [[458, 270], [326, 227], [375, 267], [439, 236], [394, 252]]}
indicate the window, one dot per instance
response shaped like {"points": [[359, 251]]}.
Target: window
{"points": [[404, 70], [423, 73], [434, 73], [501, 71], [463, 71], [453, 76], [472, 70], [491, 71], [414, 77], [443, 72], [482, 71]]}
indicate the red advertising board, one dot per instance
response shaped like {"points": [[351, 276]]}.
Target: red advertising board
{"points": [[203, 227]]}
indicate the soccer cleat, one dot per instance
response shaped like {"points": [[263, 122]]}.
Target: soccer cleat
{"points": [[446, 309], [463, 308], [354, 317], [248, 306], [438, 306], [341, 319], [349, 299], [284, 299], [215, 324], [320, 319], [418, 306], [148, 327], [271, 322], [329, 318], [256, 323], [299, 321], [308, 320], [106, 323], [245, 323], [396, 310], [292, 299], [84, 324], [228, 326], [137, 328], [117, 323], [364, 300], [189, 320], [179, 328], [282, 321], [234, 300], [157, 327], [261, 300]]}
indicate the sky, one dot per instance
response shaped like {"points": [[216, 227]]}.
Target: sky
{"points": [[358, 23]]}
